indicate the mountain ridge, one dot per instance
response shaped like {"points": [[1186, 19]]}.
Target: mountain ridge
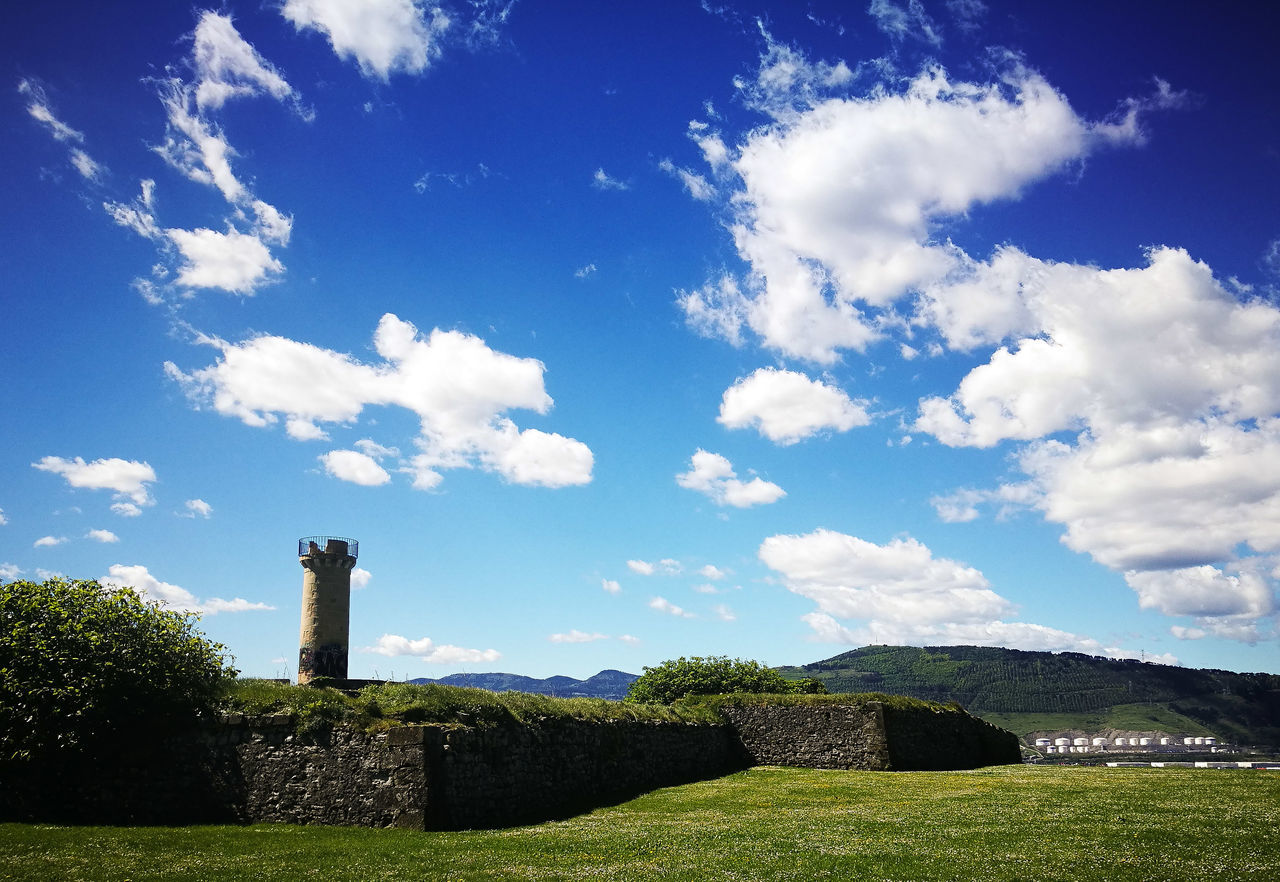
{"points": [[1031, 691], [610, 683]]}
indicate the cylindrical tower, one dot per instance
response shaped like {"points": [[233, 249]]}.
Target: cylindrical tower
{"points": [[327, 562]]}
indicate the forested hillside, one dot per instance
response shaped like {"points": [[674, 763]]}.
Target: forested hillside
{"points": [[1240, 707]]}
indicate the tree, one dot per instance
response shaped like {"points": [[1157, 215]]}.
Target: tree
{"points": [[713, 675], [81, 664]]}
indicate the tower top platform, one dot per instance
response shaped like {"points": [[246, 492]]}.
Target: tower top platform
{"points": [[309, 545]]}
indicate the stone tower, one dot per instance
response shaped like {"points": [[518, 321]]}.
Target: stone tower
{"points": [[327, 562]]}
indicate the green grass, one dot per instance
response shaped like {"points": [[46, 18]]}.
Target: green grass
{"points": [[389, 704], [1007, 823]]}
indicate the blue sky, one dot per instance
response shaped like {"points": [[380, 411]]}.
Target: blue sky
{"points": [[617, 332]]}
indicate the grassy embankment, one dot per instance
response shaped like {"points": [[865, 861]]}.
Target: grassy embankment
{"points": [[1008, 823]]}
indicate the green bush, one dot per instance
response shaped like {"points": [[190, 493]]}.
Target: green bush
{"points": [[713, 675], [81, 664]]}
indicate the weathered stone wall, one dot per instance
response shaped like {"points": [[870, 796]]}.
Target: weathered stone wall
{"points": [[829, 736], [871, 735], [928, 739], [507, 775], [341, 777], [452, 777]]}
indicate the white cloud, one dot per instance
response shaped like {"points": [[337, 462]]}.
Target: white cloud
{"points": [[382, 36], [126, 509], [903, 594], [1217, 600], [44, 575], [427, 650], [698, 186], [360, 579], [198, 508], [228, 67], [787, 407], [48, 541], [712, 572], [713, 475], [961, 506], [3, 519], [102, 536], [724, 613], [172, 596], [601, 181], [853, 578], [900, 21], [610, 586], [584, 271], [38, 108], [1169, 385], [831, 247], [457, 386], [643, 567], [662, 605], [9, 572], [576, 636], [706, 588], [232, 261], [128, 479], [629, 639], [355, 467]]}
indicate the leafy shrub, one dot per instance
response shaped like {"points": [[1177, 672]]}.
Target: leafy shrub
{"points": [[81, 664], [713, 675]]}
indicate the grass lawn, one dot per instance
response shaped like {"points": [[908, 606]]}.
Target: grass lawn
{"points": [[1008, 823]]}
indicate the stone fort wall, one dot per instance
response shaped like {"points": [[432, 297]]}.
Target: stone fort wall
{"points": [[434, 777]]}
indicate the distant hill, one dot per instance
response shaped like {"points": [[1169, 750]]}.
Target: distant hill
{"points": [[1040, 691], [606, 684]]}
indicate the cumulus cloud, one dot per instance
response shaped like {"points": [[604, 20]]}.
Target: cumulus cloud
{"points": [[712, 572], [831, 247], [48, 541], [453, 382], [1145, 401], [171, 596], [198, 508], [662, 605], [901, 593], [360, 579], [128, 479], [355, 467], [576, 636], [643, 567], [102, 536], [9, 572], [232, 261], [787, 407], [427, 650], [629, 639], [712, 475], [382, 36], [3, 519], [610, 586]]}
